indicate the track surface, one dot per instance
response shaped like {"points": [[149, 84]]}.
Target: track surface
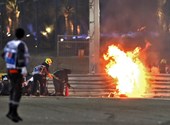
{"points": [[88, 111]]}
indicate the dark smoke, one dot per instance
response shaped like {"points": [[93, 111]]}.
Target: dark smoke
{"points": [[128, 15], [133, 22]]}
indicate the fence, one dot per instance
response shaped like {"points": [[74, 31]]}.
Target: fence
{"points": [[101, 85], [160, 85], [88, 85], [68, 46]]}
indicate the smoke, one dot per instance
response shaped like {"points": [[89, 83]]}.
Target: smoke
{"points": [[128, 15], [132, 22]]}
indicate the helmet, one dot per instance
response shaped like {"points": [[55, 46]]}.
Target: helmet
{"points": [[48, 61], [163, 61]]}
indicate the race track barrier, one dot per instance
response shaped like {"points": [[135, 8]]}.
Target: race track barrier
{"points": [[160, 85], [88, 85], [101, 85]]}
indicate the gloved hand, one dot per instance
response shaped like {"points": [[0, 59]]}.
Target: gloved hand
{"points": [[68, 85], [24, 71], [50, 76]]}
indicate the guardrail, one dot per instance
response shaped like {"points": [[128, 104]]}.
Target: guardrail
{"points": [[88, 85], [101, 85], [160, 85]]}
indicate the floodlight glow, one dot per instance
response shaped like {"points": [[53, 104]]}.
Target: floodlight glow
{"points": [[61, 39], [28, 35]]}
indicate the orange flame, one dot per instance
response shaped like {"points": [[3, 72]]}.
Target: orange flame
{"points": [[128, 71]]}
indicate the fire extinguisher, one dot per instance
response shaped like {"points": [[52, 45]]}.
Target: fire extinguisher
{"points": [[66, 90]]}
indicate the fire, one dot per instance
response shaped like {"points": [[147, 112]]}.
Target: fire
{"points": [[127, 70]]}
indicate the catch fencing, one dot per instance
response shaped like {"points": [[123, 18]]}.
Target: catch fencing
{"points": [[72, 46]]}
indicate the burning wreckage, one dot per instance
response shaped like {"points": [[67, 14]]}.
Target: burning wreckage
{"points": [[128, 71]]}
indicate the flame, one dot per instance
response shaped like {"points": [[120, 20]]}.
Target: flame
{"points": [[127, 70]]}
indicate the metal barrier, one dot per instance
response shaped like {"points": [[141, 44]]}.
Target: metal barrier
{"points": [[88, 85], [160, 85], [93, 85], [102, 85]]}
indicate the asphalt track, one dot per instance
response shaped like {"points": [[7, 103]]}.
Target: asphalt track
{"points": [[88, 111]]}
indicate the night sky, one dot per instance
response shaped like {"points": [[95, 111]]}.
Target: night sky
{"points": [[130, 22]]}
